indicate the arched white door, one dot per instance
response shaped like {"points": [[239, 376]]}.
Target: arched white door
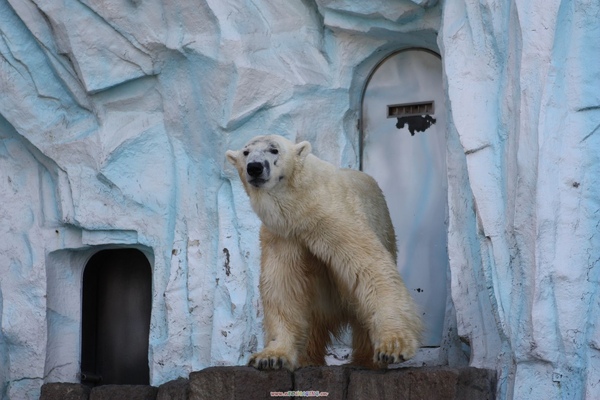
{"points": [[404, 149]]}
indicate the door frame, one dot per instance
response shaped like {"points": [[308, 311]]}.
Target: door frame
{"points": [[451, 351]]}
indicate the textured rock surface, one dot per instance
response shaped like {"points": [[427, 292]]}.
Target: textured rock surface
{"points": [[114, 118], [173, 390], [333, 380], [238, 383], [64, 391], [521, 78], [123, 392], [420, 384]]}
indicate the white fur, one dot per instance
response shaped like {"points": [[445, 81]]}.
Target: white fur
{"points": [[328, 260]]}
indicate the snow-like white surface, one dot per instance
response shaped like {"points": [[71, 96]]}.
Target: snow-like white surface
{"points": [[114, 120]]}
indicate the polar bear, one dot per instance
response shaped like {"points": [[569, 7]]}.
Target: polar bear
{"points": [[328, 259]]}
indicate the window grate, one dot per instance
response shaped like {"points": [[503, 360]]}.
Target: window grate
{"points": [[410, 109]]}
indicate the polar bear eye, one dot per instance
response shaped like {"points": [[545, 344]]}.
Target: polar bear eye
{"points": [[274, 151], [246, 152]]}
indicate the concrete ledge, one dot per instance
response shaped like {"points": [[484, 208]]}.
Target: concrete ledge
{"points": [[334, 382]]}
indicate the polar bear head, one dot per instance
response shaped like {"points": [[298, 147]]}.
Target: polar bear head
{"points": [[265, 161]]}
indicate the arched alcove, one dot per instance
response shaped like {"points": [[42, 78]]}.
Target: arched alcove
{"points": [[115, 321], [403, 146]]}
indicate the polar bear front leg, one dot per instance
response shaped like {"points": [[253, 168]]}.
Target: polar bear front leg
{"points": [[366, 272], [284, 288]]}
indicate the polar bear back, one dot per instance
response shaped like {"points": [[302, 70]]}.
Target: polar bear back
{"points": [[373, 205]]}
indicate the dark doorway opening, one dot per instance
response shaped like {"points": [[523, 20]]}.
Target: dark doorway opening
{"points": [[117, 300]]}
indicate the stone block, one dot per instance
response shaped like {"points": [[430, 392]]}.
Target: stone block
{"points": [[124, 392], [476, 384], [331, 379], [403, 384], [245, 383], [440, 383], [384, 385], [431, 383], [178, 389], [64, 391]]}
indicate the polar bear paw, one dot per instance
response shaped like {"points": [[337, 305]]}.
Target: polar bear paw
{"points": [[395, 349], [272, 359]]}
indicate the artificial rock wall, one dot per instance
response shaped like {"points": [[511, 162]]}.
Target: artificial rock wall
{"points": [[523, 79], [114, 118]]}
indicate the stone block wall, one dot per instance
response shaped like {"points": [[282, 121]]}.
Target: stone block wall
{"points": [[333, 382]]}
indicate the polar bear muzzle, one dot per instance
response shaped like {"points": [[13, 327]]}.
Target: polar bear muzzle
{"points": [[258, 172]]}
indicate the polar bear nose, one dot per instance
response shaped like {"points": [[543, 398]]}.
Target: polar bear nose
{"points": [[254, 169]]}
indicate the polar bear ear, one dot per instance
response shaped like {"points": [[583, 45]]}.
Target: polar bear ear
{"points": [[232, 156], [303, 149]]}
